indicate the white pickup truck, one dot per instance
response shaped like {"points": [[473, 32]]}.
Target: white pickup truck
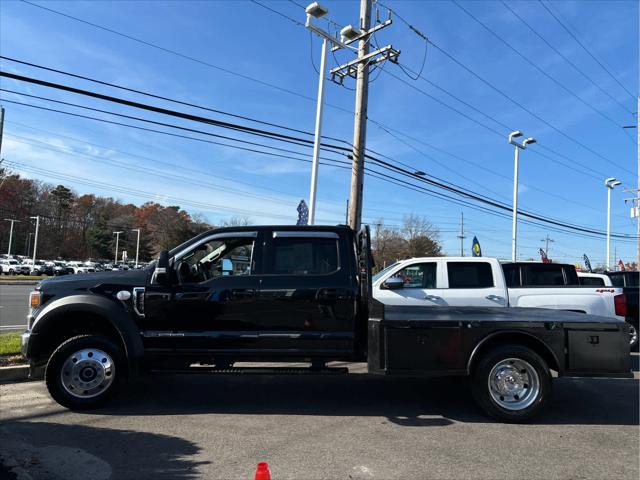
{"points": [[485, 282]]}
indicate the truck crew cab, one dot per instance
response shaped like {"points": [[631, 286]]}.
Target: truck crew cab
{"points": [[289, 293]]}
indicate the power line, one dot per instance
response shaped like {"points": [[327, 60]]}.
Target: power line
{"points": [[410, 174], [182, 55], [508, 97], [150, 44], [268, 134], [564, 57], [591, 54], [280, 126], [388, 130], [164, 111], [204, 172], [161, 132], [161, 97]]}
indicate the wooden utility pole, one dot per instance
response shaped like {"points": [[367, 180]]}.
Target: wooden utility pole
{"points": [[360, 122], [1, 127], [462, 235]]}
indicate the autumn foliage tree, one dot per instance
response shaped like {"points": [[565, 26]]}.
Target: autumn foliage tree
{"points": [[81, 226]]}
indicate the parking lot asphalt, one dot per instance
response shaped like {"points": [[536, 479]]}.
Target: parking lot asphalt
{"points": [[320, 427], [13, 307]]}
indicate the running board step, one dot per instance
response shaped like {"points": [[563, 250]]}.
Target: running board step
{"points": [[260, 371]]}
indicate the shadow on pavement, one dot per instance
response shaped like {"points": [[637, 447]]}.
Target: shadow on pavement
{"points": [[403, 401], [67, 452]]}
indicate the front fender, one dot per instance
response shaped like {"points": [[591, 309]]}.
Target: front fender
{"points": [[108, 309]]}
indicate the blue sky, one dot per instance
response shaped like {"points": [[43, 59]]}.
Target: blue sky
{"points": [[243, 37]]}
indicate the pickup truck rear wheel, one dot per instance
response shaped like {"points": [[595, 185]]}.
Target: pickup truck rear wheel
{"points": [[85, 372], [512, 383]]}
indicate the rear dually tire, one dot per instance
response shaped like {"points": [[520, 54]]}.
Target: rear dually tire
{"points": [[511, 383]]}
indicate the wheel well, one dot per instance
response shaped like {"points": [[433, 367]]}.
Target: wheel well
{"points": [[68, 325], [513, 338]]}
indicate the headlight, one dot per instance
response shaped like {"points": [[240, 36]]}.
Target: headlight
{"points": [[35, 299]]}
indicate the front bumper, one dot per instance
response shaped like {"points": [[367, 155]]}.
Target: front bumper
{"points": [[28, 344]]}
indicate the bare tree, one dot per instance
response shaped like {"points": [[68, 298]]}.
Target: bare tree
{"points": [[235, 222]]}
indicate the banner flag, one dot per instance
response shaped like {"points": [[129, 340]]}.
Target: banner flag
{"points": [[587, 263], [476, 251], [303, 213], [543, 256]]}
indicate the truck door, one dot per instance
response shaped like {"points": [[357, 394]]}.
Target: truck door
{"points": [[209, 304], [474, 284], [418, 286], [307, 293]]}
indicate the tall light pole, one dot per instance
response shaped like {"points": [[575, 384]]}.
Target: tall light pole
{"points": [[28, 242], [610, 183], [10, 234], [137, 244], [117, 234], [514, 226], [35, 239], [315, 10]]}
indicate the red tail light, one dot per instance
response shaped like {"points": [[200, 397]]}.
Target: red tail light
{"points": [[620, 302]]}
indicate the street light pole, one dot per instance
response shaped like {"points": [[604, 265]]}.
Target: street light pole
{"points": [[35, 240], [317, 138], [28, 242], [514, 225], [610, 183], [117, 234], [137, 244], [10, 234]]}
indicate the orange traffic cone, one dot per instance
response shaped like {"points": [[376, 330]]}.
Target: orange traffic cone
{"points": [[262, 472]]}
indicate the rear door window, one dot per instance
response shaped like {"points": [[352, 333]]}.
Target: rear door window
{"points": [[304, 256], [469, 275]]}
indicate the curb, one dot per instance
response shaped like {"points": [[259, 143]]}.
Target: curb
{"points": [[19, 282], [14, 373]]}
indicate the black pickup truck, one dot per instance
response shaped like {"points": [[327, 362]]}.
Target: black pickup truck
{"points": [[284, 294]]}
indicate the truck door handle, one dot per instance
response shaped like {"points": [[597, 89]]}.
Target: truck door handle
{"points": [[433, 298], [495, 298]]}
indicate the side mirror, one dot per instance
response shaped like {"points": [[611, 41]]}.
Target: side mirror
{"points": [[393, 283], [227, 266], [161, 272]]}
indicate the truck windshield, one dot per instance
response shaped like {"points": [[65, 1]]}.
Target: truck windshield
{"points": [[381, 273]]}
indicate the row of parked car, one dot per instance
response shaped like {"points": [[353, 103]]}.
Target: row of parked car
{"points": [[26, 266]]}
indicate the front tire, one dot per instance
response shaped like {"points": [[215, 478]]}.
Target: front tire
{"points": [[512, 383], [85, 372]]}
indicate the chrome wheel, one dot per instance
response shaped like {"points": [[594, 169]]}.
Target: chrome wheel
{"points": [[514, 384], [633, 335], [87, 373]]}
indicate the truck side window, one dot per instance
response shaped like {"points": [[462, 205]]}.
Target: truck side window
{"points": [[469, 275], [617, 280], [304, 256], [421, 275], [592, 281], [546, 275], [216, 258], [511, 275]]}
